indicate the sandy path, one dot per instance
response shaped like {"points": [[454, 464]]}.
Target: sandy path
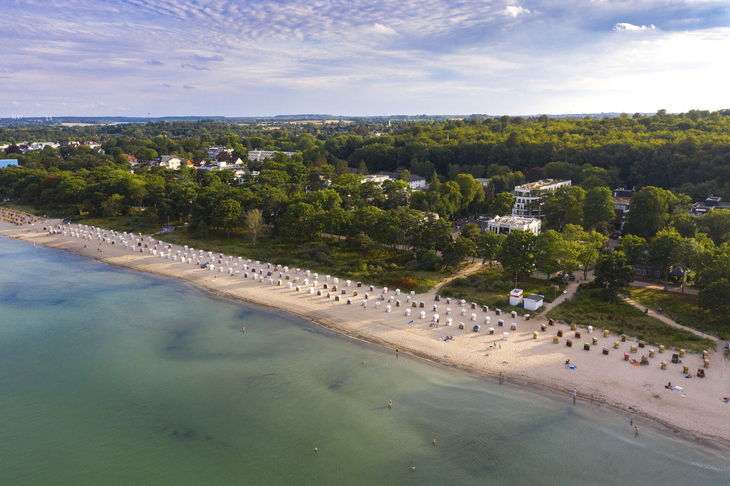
{"points": [[605, 378]]}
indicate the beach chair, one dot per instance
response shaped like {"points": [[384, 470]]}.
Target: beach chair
{"points": [[700, 373], [675, 358], [569, 343]]}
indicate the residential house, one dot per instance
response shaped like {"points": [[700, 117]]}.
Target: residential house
{"points": [[260, 155], [172, 162], [621, 201], [131, 159], [528, 197], [42, 145], [217, 149], [712, 202]]}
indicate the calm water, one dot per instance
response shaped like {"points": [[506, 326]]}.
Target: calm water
{"points": [[113, 377]]}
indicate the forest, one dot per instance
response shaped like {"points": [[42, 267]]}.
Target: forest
{"points": [[318, 198]]}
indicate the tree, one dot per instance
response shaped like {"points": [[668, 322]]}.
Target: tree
{"points": [[470, 231], [111, 206], [227, 214], [465, 248], [565, 207], [714, 299], [518, 252], [633, 247], [589, 244], [613, 273], [648, 212], [549, 251], [488, 246], [361, 243], [502, 204], [598, 207], [662, 249], [254, 221], [298, 221], [716, 223], [686, 255]]}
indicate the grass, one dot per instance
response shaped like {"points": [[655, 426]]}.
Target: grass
{"points": [[330, 256], [492, 286], [684, 307], [590, 308]]}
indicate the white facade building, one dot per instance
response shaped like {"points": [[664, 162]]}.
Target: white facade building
{"points": [[503, 225], [527, 197], [259, 155]]}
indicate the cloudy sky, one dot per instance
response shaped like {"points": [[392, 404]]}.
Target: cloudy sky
{"points": [[362, 57]]}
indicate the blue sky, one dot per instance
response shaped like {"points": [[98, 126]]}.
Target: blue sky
{"points": [[361, 57]]}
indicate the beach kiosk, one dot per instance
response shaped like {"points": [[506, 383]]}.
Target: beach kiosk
{"points": [[515, 297], [533, 302]]}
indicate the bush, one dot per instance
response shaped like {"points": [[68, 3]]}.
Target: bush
{"points": [[412, 266], [404, 283]]}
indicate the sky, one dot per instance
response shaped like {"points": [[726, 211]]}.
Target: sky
{"points": [[239, 58]]}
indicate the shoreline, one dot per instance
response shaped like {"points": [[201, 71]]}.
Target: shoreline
{"points": [[524, 361]]}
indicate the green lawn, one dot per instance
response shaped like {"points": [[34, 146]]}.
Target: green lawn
{"points": [[590, 308], [491, 286], [684, 307]]}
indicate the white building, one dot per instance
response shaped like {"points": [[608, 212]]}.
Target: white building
{"points": [[169, 161], [527, 197], [42, 145], [483, 182], [376, 178], [503, 225], [416, 182], [533, 302], [258, 155]]}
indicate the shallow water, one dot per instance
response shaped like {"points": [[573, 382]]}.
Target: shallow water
{"points": [[108, 376]]}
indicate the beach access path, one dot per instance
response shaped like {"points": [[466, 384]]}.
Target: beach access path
{"points": [[525, 354]]}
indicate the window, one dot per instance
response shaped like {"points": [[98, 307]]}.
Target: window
{"points": [[657, 273]]}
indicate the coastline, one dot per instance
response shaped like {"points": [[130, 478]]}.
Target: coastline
{"points": [[606, 379]]}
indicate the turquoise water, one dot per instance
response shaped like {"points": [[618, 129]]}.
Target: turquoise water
{"points": [[108, 376]]}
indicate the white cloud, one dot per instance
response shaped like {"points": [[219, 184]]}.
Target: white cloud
{"points": [[513, 11], [381, 29], [623, 26]]}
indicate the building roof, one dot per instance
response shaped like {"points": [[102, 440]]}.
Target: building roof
{"points": [[541, 184], [517, 220], [535, 297]]}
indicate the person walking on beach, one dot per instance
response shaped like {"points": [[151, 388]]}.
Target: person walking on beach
{"points": [[575, 392]]}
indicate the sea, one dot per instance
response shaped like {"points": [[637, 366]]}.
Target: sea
{"points": [[115, 377]]}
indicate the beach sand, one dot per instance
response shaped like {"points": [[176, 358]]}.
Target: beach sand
{"points": [[698, 410]]}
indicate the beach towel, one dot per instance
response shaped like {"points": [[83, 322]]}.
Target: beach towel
{"points": [[572, 367], [684, 394]]}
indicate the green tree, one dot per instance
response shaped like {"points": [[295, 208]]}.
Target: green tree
{"points": [[112, 205], [662, 251], [470, 231], [598, 207], [488, 246], [634, 247], [465, 248], [362, 243], [518, 253], [713, 298], [648, 212], [589, 244], [502, 204], [549, 251], [227, 215], [716, 223], [565, 207], [686, 256], [613, 273], [298, 221]]}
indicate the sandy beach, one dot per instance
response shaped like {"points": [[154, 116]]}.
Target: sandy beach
{"points": [[696, 410]]}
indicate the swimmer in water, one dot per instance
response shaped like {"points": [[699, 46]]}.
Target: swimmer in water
{"points": [[390, 403]]}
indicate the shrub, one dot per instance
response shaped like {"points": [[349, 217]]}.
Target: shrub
{"points": [[412, 266], [404, 283]]}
